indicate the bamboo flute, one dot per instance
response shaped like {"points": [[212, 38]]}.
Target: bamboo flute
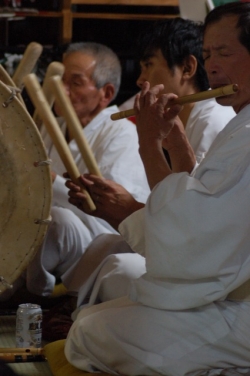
{"points": [[197, 97]]}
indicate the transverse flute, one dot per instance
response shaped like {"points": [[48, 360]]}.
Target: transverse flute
{"points": [[22, 350], [197, 97], [20, 358], [19, 355]]}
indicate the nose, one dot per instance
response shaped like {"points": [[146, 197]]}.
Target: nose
{"points": [[211, 66], [66, 86], [140, 80]]}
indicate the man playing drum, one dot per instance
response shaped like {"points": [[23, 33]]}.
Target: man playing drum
{"points": [[92, 79]]}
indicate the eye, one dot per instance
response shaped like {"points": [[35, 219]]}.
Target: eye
{"points": [[147, 64], [205, 57]]}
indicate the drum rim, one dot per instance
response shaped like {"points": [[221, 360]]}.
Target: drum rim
{"points": [[38, 203]]}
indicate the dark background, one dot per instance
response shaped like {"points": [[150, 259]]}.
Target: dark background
{"points": [[120, 35]]}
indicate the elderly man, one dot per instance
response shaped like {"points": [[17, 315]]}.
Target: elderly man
{"points": [[92, 79], [181, 317]]}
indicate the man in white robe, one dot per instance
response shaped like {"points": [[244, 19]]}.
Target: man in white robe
{"points": [[179, 317], [171, 53], [92, 79]]}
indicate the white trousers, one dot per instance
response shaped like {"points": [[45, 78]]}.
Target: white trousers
{"points": [[115, 266], [65, 242], [127, 338]]}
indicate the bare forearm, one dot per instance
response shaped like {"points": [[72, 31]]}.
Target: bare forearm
{"points": [[155, 163], [180, 151], [115, 221]]}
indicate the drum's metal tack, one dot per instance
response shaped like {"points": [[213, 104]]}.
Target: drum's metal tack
{"points": [[43, 163], [43, 221], [5, 283]]}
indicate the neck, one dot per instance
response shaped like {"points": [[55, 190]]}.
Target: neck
{"points": [[185, 113]]}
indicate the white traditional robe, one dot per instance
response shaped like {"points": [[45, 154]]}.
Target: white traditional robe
{"points": [[115, 148], [111, 278], [195, 237]]}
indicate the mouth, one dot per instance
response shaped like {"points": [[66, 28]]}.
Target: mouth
{"points": [[217, 86]]}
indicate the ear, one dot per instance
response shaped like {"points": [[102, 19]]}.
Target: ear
{"points": [[190, 67], [107, 94]]}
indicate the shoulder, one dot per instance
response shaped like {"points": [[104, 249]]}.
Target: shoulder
{"points": [[210, 111]]}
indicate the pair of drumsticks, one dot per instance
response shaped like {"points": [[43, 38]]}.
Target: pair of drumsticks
{"points": [[43, 98]]}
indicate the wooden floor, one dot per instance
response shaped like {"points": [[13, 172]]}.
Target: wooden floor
{"points": [[7, 339]]}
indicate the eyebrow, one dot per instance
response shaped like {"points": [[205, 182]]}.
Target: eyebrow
{"points": [[147, 56], [215, 48]]}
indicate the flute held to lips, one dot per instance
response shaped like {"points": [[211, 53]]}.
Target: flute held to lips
{"points": [[197, 97]]}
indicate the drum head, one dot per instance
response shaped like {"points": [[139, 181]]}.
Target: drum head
{"points": [[25, 189]]}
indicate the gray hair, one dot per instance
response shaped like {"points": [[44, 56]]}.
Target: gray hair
{"points": [[108, 67]]}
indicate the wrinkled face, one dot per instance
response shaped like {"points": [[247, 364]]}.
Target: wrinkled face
{"points": [[80, 87], [227, 61], [155, 70]]}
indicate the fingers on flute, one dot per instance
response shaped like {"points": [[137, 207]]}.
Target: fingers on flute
{"points": [[149, 95], [137, 103], [166, 101]]}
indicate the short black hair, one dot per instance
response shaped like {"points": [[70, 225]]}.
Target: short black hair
{"points": [[177, 39], [242, 10]]}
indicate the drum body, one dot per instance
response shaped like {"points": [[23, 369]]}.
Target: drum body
{"points": [[25, 188]]}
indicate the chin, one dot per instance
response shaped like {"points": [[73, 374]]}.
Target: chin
{"points": [[224, 101]]}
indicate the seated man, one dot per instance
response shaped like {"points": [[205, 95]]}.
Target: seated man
{"points": [[170, 53], [92, 79], [194, 233]]}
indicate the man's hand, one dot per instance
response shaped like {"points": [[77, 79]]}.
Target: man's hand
{"points": [[155, 115], [113, 202], [158, 125]]}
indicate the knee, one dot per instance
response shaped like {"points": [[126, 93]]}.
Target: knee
{"points": [[62, 216], [126, 265], [64, 221]]}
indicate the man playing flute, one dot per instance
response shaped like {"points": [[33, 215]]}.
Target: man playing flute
{"points": [[184, 316]]}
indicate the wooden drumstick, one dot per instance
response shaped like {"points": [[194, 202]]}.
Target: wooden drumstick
{"points": [[219, 92], [36, 94], [27, 63], [54, 68], [7, 80], [74, 124]]}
